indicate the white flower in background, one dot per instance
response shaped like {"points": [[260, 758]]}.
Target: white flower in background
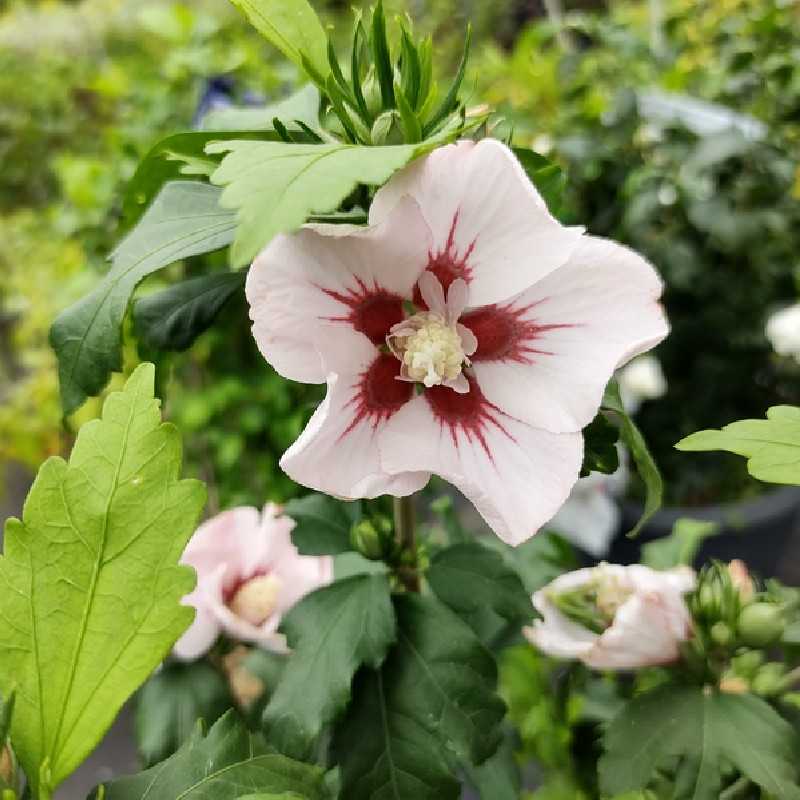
{"points": [[590, 518], [614, 617], [641, 379], [249, 574], [464, 333], [783, 332]]}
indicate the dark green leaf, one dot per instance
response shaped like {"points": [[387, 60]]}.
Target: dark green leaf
{"points": [[634, 441], [411, 127], [498, 778], [709, 728], [322, 524], [546, 176], [433, 700], [224, 765], [332, 632], [382, 57], [410, 69], [184, 220], [174, 318], [600, 452], [681, 546], [6, 713], [292, 26], [771, 445], [473, 581], [172, 702]]}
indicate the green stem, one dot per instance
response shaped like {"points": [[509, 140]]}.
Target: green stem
{"points": [[737, 789], [405, 533]]}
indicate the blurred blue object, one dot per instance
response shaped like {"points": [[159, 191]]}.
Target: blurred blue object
{"points": [[219, 93]]}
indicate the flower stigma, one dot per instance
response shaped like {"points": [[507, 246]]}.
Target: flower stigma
{"points": [[256, 599]]}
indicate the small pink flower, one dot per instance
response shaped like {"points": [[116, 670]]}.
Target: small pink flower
{"points": [[648, 617], [249, 574], [465, 332]]}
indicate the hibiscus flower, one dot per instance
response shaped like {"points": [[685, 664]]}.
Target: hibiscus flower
{"points": [[464, 332], [249, 574]]}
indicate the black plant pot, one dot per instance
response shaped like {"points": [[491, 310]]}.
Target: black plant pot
{"points": [[763, 532]]}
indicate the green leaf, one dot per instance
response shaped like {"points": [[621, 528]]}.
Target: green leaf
{"points": [[174, 318], [292, 26], [450, 102], [6, 715], [170, 704], [91, 604], [706, 727], [771, 445], [276, 186], [302, 105], [184, 220], [498, 778], [475, 582], [168, 160], [381, 56], [224, 765], [322, 524], [600, 452], [681, 546], [332, 632], [546, 176], [433, 700], [634, 441]]}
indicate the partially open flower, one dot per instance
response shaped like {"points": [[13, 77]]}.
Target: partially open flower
{"points": [[248, 575], [465, 332], [614, 617]]}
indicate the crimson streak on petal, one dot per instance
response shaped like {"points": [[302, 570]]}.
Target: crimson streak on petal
{"points": [[504, 333], [448, 264], [378, 393], [470, 412], [372, 311]]}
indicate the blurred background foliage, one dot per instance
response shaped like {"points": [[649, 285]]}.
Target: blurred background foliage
{"points": [[708, 192]]}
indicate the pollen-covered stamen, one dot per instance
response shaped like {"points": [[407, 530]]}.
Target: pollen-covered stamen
{"points": [[432, 347]]}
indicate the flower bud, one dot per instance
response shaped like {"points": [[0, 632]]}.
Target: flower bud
{"points": [[721, 634], [761, 624], [769, 679], [369, 537], [387, 129], [717, 598], [747, 664], [740, 577]]}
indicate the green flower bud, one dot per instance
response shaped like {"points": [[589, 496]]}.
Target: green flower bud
{"points": [[388, 129], [721, 634], [716, 598], [769, 679], [761, 624], [370, 538], [371, 89], [747, 664]]}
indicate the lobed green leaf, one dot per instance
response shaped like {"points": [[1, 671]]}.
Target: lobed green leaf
{"points": [[92, 586], [322, 524], [332, 632], [771, 445]]}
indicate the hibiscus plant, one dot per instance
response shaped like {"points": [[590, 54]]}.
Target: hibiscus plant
{"points": [[396, 247]]}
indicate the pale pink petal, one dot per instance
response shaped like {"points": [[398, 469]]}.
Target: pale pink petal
{"points": [[516, 476], [432, 293], [200, 635], [457, 298], [490, 225], [469, 341], [305, 283], [235, 627], [224, 539], [547, 355], [337, 453], [276, 533]]}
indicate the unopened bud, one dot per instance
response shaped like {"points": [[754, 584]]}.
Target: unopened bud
{"points": [[369, 537], [721, 634], [747, 664], [761, 624], [740, 576], [769, 679], [387, 129]]}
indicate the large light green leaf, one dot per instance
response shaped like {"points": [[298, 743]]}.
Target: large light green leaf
{"points": [[634, 441], [708, 730], [226, 764], [332, 632], [303, 105], [90, 580], [276, 186], [432, 701], [771, 445], [184, 220], [293, 27]]}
